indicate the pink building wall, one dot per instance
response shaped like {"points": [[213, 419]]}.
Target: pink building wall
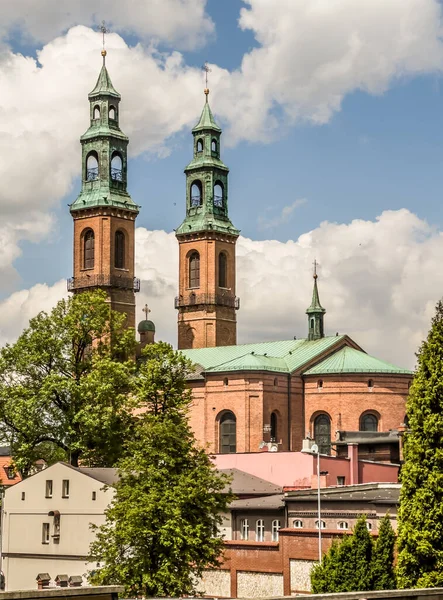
{"points": [[299, 470]]}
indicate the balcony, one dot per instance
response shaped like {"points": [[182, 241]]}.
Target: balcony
{"points": [[91, 281], [193, 299]]}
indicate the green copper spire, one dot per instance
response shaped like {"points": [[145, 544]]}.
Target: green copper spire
{"points": [[207, 181], [104, 151], [315, 312]]}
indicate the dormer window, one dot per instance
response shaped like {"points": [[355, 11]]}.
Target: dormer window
{"points": [[199, 145]]}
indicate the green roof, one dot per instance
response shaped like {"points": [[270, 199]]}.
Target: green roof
{"points": [[207, 120], [146, 325], [104, 85], [281, 357], [350, 360], [99, 193], [315, 307]]}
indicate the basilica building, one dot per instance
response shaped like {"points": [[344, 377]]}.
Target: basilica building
{"points": [[246, 397]]}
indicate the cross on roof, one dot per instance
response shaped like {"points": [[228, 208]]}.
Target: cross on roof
{"points": [[103, 30], [146, 310], [207, 70]]}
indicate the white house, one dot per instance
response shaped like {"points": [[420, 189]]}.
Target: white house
{"points": [[46, 522]]}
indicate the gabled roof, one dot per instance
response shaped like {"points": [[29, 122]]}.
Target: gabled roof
{"points": [[370, 492], [249, 485], [281, 357], [265, 502], [106, 475], [350, 360]]}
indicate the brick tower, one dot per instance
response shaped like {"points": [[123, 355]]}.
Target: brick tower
{"points": [[206, 302], [104, 213]]}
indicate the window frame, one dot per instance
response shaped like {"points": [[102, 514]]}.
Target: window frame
{"points": [[369, 416], [88, 244], [119, 249], [227, 429], [275, 529], [223, 270], [46, 533], [294, 521], [343, 525], [244, 529], [260, 530], [49, 488], [65, 488], [322, 526], [194, 270]]}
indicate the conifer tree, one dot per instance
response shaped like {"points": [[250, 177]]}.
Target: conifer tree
{"points": [[382, 571], [161, 528], [420, 532]]}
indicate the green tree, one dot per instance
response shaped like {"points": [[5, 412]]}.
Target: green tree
{"points": [[64, 385], [382, 569], [420, 532], [346, 567], [161, 528]]}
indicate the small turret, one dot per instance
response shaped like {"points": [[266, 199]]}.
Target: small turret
{"points": [[146, 329], [315, 312]]}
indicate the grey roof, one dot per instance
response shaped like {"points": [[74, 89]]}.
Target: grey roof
{"points": [[367, 437], [368, 492], [5, 450], [108, 476], [262, 502], [245, 484]]}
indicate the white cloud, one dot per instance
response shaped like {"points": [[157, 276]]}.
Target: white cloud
{"points": [[379, 282], [266, 222], [180, 22]]}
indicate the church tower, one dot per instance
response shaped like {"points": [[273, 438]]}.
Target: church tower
{"points": [[104, 213], [206, 302], [315, 313]]}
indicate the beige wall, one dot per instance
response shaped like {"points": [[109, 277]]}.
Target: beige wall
{"points": [[23, 553]]}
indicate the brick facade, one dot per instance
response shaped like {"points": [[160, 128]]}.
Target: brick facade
{"points": [[203, 320]]}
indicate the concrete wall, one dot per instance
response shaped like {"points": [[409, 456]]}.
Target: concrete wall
{"points": [[300, 575], [216, 584]]}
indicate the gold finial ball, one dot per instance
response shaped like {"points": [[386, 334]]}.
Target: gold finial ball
{"points": [[206, 91], [104, 52]]}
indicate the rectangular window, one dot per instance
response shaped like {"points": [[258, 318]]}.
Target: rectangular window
{"points": [[65, 488], [244, 529], [275, 529], [23, 495], [94, 495], [259, 530], [340, 480], [45, 533], [48, 488]]}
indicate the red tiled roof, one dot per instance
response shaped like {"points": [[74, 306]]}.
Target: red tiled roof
{"points": [[5, 462]]}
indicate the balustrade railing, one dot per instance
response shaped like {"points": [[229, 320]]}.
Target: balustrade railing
{"points": [[85, 281], [194, 299]]}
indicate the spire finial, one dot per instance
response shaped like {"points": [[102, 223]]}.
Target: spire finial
{"points": [[207, 70], [146, 310], [103, 30], [315, 263]]}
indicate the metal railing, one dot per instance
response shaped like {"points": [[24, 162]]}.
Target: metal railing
{"points": [[92, 174], [116, 174], [88, 281], [196, 200], [218, 201], [193, 299]]}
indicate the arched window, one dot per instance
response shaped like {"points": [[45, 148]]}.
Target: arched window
{"points": [[196, 194], [273, 427], [259, 530], [275, 381], [322, 525], [297, 524], [369, 526], [228, 433], [88, 249], [343, 525], [370, 384], [369, 422], [92, 166], [214, 146], [218, 194], [112, 113], [194, 270], [199, 145], [225, 381], [275, 529], [116, 167], [222, 270], [119, 250], [320, 384], [244, 529], [322, 433], [96, 113]]}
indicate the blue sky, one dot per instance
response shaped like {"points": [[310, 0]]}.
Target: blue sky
{"points": [[336, 118]]}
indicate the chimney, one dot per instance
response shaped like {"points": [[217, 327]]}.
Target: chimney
{"points": [[43, 580], [62, 580], [353, 463], [75, 581]]}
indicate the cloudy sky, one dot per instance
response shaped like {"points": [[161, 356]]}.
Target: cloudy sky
{"points": [[332, 112]]}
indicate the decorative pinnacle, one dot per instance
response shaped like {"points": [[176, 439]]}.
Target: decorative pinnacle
{"points": [[315, 263], [146, 310], [103, 30], [207, 70]]}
